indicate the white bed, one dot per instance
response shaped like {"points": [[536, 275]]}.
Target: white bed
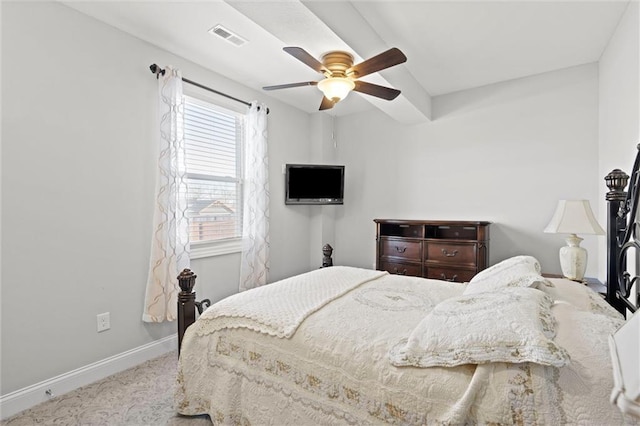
{"points": [[333, 364]]}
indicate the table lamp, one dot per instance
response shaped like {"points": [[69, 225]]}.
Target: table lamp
{"points": [[573, 217]]}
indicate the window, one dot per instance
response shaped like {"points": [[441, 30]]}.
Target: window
{"points": [[213, 144]]}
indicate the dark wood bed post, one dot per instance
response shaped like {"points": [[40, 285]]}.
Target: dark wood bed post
{"points": [[616, 181], [623, 236], [186, 303]]}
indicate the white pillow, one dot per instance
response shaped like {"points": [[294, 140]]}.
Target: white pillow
{"points": [[511, 325], [529, 262], [518, 271]]}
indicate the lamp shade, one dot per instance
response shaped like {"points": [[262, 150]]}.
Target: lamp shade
{"points": [[336, 88], [574, 217]]}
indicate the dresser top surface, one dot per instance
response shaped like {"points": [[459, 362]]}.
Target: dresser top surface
{"points": [[433, 222]]}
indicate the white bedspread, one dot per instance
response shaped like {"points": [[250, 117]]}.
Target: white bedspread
{"points": [[278, 309], [334, 369]]}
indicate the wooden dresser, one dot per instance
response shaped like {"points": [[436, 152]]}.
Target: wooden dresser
{"points": [[443, 250]]}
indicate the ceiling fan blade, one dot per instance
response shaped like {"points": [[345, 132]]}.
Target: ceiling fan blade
{"points": [[287, 86], [375, 90], [304, 57], [326, 104], [384, 60]]}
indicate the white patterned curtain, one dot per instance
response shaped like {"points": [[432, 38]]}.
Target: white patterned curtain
{"points": [[170, 240], [254, 265]]}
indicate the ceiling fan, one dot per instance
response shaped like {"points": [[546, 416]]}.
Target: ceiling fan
{"points": [[341, 76]]}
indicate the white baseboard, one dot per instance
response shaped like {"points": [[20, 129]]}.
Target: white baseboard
{"points": [[30, 396]]}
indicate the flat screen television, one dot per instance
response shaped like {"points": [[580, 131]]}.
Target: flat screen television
{"points": [[314, 184]]}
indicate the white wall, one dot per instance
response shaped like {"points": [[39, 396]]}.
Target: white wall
{"points": [[619, 90], [504, 153], [78, 108]]}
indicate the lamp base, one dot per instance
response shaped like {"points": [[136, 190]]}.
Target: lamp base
{"points": [[573, 259]]}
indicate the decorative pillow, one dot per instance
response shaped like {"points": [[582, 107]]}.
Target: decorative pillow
{"points": [[518, 271], [511, 325], [528, 262]]}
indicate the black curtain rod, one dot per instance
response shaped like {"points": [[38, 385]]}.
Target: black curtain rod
{"points": [[155, 69]]}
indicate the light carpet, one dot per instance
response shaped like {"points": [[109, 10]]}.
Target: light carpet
{"points": [[139, 396]]}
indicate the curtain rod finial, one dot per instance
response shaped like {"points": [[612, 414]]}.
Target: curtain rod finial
{"points": [[155, 69]]}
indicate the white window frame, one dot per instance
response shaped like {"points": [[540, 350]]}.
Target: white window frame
{"points": [[203, 249]]}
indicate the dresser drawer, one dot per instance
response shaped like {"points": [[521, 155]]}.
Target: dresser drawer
{"points": [[402, 269], [401, 248], [449, 274], [446, 252]]}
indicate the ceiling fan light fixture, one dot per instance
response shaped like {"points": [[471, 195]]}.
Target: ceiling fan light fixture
{"points": [[336, 88]]}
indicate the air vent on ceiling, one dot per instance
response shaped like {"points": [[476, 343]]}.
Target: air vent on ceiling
{"points": [[228, 35]]}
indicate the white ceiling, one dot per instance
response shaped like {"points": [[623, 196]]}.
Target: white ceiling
{"points": [[450, 45]]}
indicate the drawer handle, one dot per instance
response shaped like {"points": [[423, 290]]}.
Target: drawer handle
{"points": [[395, 271], [444, 277], [444, 251], [400, 249]]}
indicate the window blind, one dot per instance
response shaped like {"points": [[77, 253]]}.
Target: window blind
{"points": [[213, 141]]}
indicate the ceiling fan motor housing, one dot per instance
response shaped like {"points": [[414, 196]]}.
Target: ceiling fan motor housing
{"points": [[337, 62]]}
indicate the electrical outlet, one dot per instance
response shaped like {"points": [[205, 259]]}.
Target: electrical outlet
{"points": [[104, 322]]}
